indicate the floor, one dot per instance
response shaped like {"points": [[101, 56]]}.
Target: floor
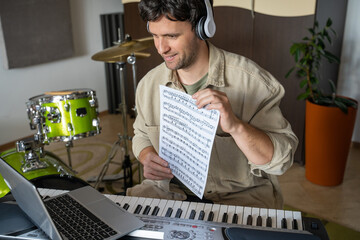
{"points": [[340, 204]]}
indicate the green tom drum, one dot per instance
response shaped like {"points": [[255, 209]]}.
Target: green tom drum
{"points": [[64, 115]]}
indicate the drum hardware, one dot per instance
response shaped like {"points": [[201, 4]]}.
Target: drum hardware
{"points": [[31, 159], [124, 52]]}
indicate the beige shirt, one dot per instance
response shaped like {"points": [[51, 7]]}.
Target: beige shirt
{"points": [[255, 96]]}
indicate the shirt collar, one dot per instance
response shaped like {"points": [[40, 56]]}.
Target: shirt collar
{"points": [[216, 74]]}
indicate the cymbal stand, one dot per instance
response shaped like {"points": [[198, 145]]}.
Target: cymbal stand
{"points": [[126, 164], [68, 146]]}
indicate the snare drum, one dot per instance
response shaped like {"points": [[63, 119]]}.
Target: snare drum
{"points": [[55, 176], [64, 115]]}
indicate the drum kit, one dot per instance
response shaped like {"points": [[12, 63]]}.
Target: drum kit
{"points": [[64, 116]]}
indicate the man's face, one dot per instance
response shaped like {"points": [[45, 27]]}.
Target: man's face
{"points": [[175, 41]]}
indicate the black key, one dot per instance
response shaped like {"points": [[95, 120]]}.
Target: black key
{"points": [[295, 224], [192, 214], [146, 210], [138, 209], [283, 223], [178, 213], [259, 221], [235, 218], [126, 206], [155, 211], [224, 218], [169, 212], [268, 222], [211, 216], [249, 220], [201, 215], [118, 204]]}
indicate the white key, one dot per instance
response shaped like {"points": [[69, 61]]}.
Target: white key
{"points": [[132, 204], [169, 204], [125, 200], [272, 215], [176, 206], [297, 216], [223, 209], [255, 212], [192, 206], [118, 199], [154, 204], [215, 209], [184, 207], [279, 216], [207, 210], [140, 201], [161, 206], [247, 212], [264, 215], [230, 212], [199, 207], [289, 219], [239, 210], [149, 202]]}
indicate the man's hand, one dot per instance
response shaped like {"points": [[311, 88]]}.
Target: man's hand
{"points": [[155, 168], [213, 99]]}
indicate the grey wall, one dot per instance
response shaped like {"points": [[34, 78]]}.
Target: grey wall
{"points": [[20, 84]]}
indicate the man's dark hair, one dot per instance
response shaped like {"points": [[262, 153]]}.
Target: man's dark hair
{"points": [[174, 10]]}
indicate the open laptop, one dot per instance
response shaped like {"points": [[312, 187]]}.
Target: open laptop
{"points": [[115, 222]]}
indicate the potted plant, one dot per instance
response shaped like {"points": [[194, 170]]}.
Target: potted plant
{"points": [[329, 118]]}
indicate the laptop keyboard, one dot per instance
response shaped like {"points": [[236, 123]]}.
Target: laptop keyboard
{"points": [[75, 221]]}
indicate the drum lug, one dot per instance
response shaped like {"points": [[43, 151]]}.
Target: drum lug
{"points": [[54, 115], [70, 127], [95, 122], [93, 103], [67, 107]]}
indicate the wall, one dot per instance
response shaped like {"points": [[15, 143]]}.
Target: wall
{"points": [[349, 75], [79, 71]]}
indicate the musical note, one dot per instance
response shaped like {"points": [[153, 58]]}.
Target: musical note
{"points": [[186, 137]]}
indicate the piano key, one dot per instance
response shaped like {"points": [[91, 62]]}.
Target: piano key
{"points": [[176, 206], [269, 222], [246, 214], [178, 213], [201, 215], [239, 210], [235, 219], [249, 220], [169, 205], [155, 202], [289, 217], [215, 209], [132, 204], [259, 221], [200, 210], [125, 202], [162, 204], [223, 209], [272, 215], [190, 210], [210, 216], [295, 225], [230, 213], [192, 214], [224, 217], [297, 216], [255, 212], [169, 212], [184, 207], [207, 210], [146, 210], [155, 211], [263, 215], [280, 214]]}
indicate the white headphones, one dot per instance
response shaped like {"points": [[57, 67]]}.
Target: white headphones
{"points": [[206, 27]]}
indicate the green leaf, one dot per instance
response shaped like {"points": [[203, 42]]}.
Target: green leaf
{"points": [[328, 22], [342, 106], [289, 72]]}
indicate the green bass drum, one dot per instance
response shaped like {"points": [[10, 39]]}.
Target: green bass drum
{"points": [[55, 176]]}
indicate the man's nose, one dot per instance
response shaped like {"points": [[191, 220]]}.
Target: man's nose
{"points": [[162, 46]]}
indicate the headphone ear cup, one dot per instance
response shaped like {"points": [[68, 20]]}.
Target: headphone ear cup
{"points": [[200, 32]]}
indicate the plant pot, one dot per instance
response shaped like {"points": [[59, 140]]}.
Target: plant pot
{"points": [[328, 133]]}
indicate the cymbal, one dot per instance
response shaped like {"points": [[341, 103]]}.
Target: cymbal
{"points": [[119, 53]]}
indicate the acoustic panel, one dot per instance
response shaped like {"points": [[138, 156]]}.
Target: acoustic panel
{"points": [[34, 32]]}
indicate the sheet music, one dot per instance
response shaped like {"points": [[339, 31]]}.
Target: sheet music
{"points": [[186, 137]]}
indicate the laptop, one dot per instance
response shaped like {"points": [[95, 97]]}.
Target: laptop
{"points": [[102, 216]]}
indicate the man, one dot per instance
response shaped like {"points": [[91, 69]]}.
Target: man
{"points": [[253, 142]]}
